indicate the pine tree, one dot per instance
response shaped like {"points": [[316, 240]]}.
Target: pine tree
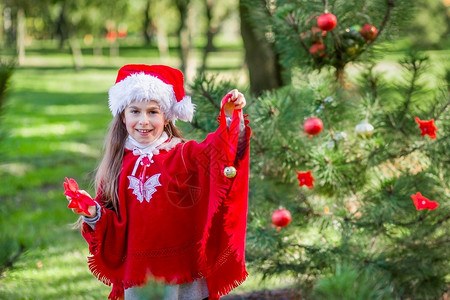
{"points": [[360, 229], [359, 214]]}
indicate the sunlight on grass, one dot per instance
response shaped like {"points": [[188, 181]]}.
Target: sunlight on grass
{"points": [[15, 169], [65, 81], [255, 282], [78, 109], [78, 148], [49, 130], [53, 273]]}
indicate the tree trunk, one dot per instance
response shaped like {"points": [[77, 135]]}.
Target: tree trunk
{"points": [[184, 37], [2, 22], [147, 23], [114, 49], [163, 44], [209, 34], [61, 26], [21, 31], [340, 76], [7, 26], [97, 48], [76, 53], [262, 61]]}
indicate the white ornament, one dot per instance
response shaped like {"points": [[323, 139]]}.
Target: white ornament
{"points": [[364, 129], [340, 136], [337, 137], [328, 99]]}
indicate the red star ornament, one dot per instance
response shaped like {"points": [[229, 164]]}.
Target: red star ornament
{"points": [[79, 200], [423, 203], [427, 127], [305, 178]]}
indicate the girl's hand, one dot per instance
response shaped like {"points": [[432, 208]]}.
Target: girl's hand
{"points": [[236, 101], [92, 209]]}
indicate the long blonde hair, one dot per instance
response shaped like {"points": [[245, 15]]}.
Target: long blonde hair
{"points": [[108, 171]]}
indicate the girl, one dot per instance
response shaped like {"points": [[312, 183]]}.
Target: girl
{"points": [[168, 210]]}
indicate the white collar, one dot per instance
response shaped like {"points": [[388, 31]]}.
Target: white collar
{"points": [[135, 146]]}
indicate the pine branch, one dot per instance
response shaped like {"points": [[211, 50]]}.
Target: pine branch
{"points": [[196, 125], [399, 154], [387, 16], [292, 22], [258, 143], [416, 64], [289, 150], [411, 150], [444, 108], [421, 219], [373, 83], [312, 249], [208, 96]]}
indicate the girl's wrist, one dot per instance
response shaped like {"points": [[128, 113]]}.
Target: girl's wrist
{"points": [[94, 215], [92, 211]]}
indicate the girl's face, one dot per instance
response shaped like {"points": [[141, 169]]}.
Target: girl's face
{"points": [[144, 121]]}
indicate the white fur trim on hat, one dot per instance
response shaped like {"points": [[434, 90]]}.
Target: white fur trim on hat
{"points": [[144, 87], [184, 109]]}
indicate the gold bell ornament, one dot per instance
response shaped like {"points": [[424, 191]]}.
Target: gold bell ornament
{"points": [[229, 172]]}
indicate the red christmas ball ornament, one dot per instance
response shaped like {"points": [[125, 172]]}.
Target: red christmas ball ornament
{"points": [[281, 217], [313, 126], [317, 50], [369, 32], [327, 21]]}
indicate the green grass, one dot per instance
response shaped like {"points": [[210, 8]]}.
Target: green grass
{"points": [[55, 121]]}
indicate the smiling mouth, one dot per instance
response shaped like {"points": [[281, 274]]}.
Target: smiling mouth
{"points": [[143, 130]]}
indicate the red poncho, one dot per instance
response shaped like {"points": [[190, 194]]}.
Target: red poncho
{"points": [[190, 223]]}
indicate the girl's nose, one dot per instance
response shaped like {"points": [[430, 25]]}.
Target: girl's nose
{"points": [[144, 119]]}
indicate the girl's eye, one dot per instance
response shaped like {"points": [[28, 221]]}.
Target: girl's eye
{"points": [[134, 111]]}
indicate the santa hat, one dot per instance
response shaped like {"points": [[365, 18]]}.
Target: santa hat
{"points": [[156, 82]]}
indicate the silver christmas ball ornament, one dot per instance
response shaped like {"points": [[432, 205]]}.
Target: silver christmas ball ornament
{"points": [[364, 129]]}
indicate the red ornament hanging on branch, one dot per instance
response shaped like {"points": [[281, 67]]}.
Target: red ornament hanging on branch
{"points": [[422, 202], [369, 32], [427, 127], [327, 21], [281, 217], [313, 126], [79, 200], [305, 178], [317, 50]]}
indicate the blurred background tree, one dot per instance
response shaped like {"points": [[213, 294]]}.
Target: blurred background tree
{"points": [[431, 26], [10, 247]]}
